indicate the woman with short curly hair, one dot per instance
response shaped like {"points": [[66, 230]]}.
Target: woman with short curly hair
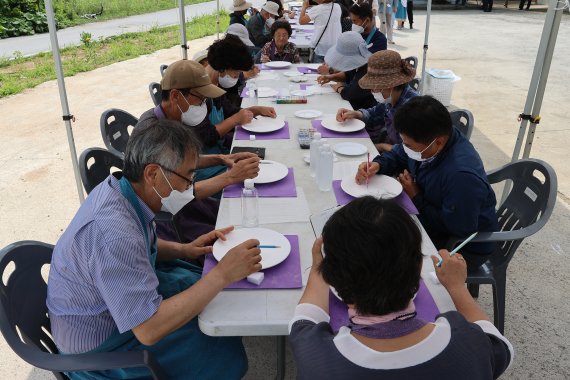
{"points": [[279, 48]]}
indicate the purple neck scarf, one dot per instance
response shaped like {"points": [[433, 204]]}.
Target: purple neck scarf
{"points": [[395, 328]]}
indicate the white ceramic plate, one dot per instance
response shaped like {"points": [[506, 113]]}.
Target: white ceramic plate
{"points": [[292, 73], [271, 171], [307, 158], [308, 114], [264, 124], [348, 126], [301, 93], [266, 92], [298, 79], [278, 64], [350, 149], [266, 75], [270, 257], [313, 66], [379, 186]]}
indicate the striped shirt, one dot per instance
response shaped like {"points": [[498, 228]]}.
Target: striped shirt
{"points": [[101, 279]]}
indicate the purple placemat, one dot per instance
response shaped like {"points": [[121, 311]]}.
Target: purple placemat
{"points": [[307, 70], [403, 199], [286, 275], [280, 134], [283, 188], [327, 133], [425, 306]]}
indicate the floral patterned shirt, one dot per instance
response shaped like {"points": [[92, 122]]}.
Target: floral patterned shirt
{"points": [[290, 52]]}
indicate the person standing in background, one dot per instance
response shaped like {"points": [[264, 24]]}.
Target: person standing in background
{"points": [[390, 7], [401, 14], [410, 9]]}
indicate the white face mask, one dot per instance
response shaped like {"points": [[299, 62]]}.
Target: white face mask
{"points": [[380, 98], [269, 22], [358, 28], [195, 114], [227, 81], [176, 200], [417, 156]]}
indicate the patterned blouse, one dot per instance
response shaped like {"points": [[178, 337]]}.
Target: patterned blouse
{"points": [[290, 52]]}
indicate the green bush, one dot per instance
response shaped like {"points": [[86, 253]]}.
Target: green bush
{"points": [[22, 17]]}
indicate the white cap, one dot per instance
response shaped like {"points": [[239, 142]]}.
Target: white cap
{"points": [[248, 183], [317, 135], [271, 7]]}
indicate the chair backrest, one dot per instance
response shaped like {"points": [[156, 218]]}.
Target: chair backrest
{"points": [[116, 126], [415, 84], [464, 121], [162, 69], [528, 205], [24, 319], [95, 164], [412, 61], [155, 94]]}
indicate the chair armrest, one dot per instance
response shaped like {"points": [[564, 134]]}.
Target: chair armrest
{"points": [[95, 361], [487, 237]]}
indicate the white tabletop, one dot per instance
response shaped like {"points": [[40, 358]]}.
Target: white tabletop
{"points": [[265, 311]]}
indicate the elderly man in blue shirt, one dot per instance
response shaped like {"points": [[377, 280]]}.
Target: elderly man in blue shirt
{"points": [[114, 286], [443, 174]]}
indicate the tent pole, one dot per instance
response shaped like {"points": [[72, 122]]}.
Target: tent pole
{"points": [[543, 80], [549, 31], [426, 38], [67, 117], [183, 42], [218, 18]]}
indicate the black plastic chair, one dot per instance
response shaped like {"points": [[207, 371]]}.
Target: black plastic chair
{"points": [[163, 69], [412, 61], [464, 121], [415, 84], [155, 94], [25, 325], [525, 211], [115, 129], [95, 164]]}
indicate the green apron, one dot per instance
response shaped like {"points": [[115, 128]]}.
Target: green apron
{"points": [[186, 353]]}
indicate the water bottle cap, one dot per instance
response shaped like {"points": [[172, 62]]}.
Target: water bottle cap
{"points": [[326, 146], [248, 183], [317, 135]]}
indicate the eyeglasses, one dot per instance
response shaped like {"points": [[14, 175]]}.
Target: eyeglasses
{"points": [[189, 180]]}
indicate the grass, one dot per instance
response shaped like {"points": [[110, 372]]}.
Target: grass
{"points": [[21, 73], [70, 12]]}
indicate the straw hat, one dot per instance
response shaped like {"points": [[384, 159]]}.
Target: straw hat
{"points": [[349, 53], [386, 69], [271, 7], [240, 5], [240, 31]]}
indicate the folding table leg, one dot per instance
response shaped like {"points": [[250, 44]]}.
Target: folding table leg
{"points": [[281, 341]]}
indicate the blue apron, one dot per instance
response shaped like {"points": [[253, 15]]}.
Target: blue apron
{"points": [[216, 116], [186, 353]]}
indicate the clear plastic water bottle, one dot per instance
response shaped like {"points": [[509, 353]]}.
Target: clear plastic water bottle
{"points": [[252, 91], [325, 168], [249, 204], [314, 152]]}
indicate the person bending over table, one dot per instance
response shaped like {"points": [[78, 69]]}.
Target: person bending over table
{"points": [[443, 174], [387, 76], [185, 86], [227, 59], [279, 48], [326, 17], [114, 286], [350, 57], [373, 259]]}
